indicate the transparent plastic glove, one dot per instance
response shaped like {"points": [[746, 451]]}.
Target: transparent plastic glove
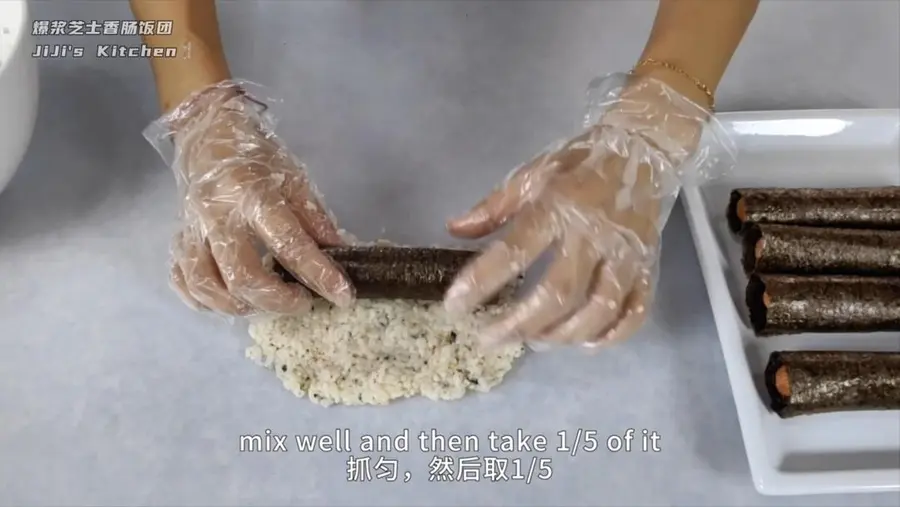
{"points": [[243, 193], [598, 202]]}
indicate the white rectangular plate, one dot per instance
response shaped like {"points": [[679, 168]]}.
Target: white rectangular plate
{"points": [[826, 453]]}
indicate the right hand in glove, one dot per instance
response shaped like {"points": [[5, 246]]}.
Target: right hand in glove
{"points": [[242, 189], [598, 203]]}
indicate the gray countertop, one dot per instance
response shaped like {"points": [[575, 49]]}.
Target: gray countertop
{"points": [[111, 392]]}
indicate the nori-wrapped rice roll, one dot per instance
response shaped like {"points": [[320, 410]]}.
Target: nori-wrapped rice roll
{"points": [[855, 208], [396, 272], [813, 382], [771, 248], [789, 304]]}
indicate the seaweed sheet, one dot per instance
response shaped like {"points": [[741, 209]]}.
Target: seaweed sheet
{"points": [[396, 272], [790, 304], [857, 208], [771, 248], [812, 382]]}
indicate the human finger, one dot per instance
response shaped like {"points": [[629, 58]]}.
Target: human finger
{"points": [[277, 225], [178, 284], [504, 260], [495, 210], [523, 186], [632, 318], [603, 306], [246, 278], [308, 206], [203, 280], [563, 288]]}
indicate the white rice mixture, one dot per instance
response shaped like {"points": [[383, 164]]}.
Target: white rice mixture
{"points": [[378, 351]]}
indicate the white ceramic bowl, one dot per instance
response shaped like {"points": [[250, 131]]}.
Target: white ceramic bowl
{"points": [[18, 86]]}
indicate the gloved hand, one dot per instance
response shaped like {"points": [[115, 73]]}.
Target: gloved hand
{"points": [[599, 202], [241, 189]]}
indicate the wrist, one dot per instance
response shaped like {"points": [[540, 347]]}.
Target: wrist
{"points": [[201, 104], [174, 93], [177, 79], [681, 83], [668, 115]]}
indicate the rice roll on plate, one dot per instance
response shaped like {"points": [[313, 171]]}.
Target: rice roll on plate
{"points": [[812, 382], [789, 304], [772, 248], [856, 208]]}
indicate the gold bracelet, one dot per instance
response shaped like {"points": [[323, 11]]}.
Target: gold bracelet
{"points": [[666, 65]]}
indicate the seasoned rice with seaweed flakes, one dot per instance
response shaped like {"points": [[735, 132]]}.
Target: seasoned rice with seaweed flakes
{"points": [[380, 350]]}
